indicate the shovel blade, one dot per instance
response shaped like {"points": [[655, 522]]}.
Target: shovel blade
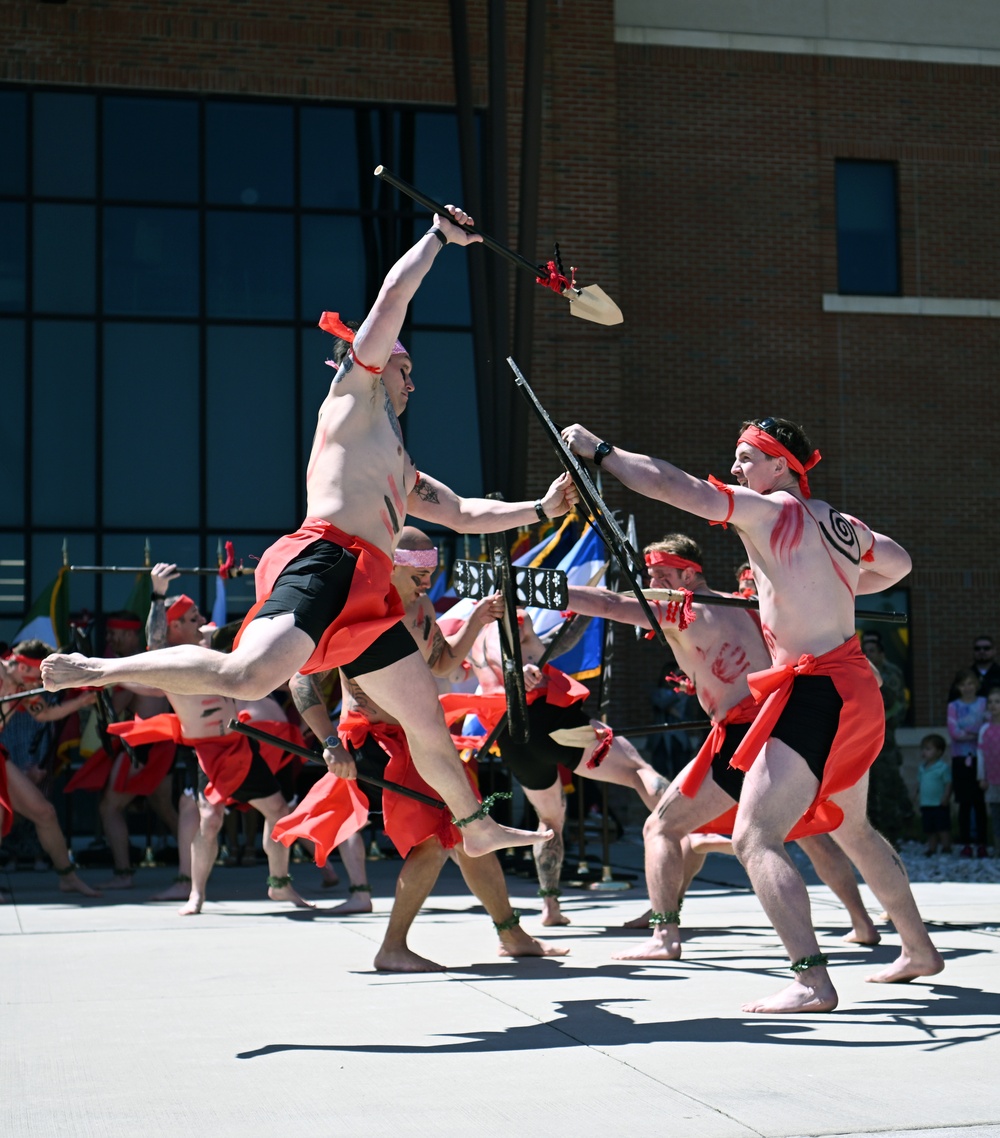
{"points": [[592, 303]]}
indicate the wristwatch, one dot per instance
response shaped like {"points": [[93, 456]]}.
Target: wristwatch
{"points": [[331, 742], [601, 452]]}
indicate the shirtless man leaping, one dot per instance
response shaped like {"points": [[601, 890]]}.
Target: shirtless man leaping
{"points": [[715, 647], [325, 597], [809, 749]]}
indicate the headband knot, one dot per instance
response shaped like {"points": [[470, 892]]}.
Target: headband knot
{"points": [[770, 446], [331, 322]]}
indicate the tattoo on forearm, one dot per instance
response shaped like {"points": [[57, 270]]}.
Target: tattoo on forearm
{"points": [[306, 692], [548, 862], [156, 626], [426, 493]]}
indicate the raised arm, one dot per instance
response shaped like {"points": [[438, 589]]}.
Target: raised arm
{"points": [[376, 336], [889, 564], [434, 502], [456, 647]]}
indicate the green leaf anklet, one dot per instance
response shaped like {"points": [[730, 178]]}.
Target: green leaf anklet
{"points": [[671, 917], [483, 810], [542, 892], [512, 922], [279, 882], [807, 962], [366, 888]]}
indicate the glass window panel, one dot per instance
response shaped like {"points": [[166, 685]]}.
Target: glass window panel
{"points": [[12, 424], [248, 549], [63, 463], [64, 277], [64, 149], [143, 365], [248, 154], [443, 296], [867, 228], [251, 470], [14, 596], [250, 269], [316, 378], [445, 385], [12, 256], [151, 261], [150, 149], [129, 549], [333, 267], [328, 158], [13, 137], [47, 559], [437, 169]]}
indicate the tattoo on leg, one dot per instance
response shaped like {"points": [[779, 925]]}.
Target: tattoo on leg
{"points": [[549, 860]]}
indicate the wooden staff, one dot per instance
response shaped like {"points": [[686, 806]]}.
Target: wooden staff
{"points": [[198, 570], [21, 695]]}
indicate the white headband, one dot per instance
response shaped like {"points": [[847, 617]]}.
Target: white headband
{"points": [[417, 558]]}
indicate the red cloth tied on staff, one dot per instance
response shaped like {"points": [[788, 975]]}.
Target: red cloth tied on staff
{"points": [[691, 779], [770, 446], [6, 810], [407, 822], [859, 737], [372, 605], [334, 810], [561, 690]]}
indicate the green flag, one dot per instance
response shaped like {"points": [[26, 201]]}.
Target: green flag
{"points": [[138, 601]]}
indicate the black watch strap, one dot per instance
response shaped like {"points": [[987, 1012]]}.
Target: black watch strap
{"points": [[601, 452]]}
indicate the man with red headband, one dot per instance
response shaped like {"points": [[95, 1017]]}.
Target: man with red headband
{"points": [[422, 834], [19, 671], [820, 723], [715, 647], [555, 705], [325, 598]]}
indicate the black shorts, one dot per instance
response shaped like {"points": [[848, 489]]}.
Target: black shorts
{"points": [[372, 759], [727, 778], [810, 720], [260, 781], [314, 588], [534, 763]]}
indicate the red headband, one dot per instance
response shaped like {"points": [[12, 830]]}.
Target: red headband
{"points": [[661, 557], [769, 445], [27, 661], [182, 605], [331, 322], [119, 622]]}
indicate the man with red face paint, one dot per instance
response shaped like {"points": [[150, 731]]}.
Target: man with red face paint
{"points": [[820, 724]]}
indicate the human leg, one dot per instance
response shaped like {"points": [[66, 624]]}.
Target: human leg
{"points": [[885, 874], [204, 851], [112, 809], [413, 886], [836, 872], [27, 800], [188, 822], [667, 863], [550, 806], [624, 766], [485, 879], [352, 854], [406, 690], [777, 791], [270, 651], [279, 881]]}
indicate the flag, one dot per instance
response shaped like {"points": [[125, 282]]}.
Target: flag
{"points": [[580, 565], [139, 600], [547, 552], [219, 610], [48, 617]]}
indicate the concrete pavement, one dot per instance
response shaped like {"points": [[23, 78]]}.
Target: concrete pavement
{"points": [[120, 1018]]}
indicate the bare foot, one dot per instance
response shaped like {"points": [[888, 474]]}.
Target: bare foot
{"points": [[516, 942], [402, 960], [660, 946], [71, 883], [356, 903], [71, 671], [906, 968], [119, 881], [287, 893], [869, 936], [552, 914], [179, 891], [639, 922], [193, 907], [484, 836], [816, 994]]}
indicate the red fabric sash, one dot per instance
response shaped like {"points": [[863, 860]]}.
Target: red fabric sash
{"points": [[859, 737], [372, 606], [407, 822], [329, 814], [6, 810], [93, 775]]}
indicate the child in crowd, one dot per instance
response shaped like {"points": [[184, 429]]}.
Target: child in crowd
{"points": [[988, 763], [935, 792], [965, 716]]}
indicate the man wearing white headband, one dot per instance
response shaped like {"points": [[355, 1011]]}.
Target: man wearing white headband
{"points": [[324, 594]]}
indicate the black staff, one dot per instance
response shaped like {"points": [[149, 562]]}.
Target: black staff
{"points": [[312, 757]]}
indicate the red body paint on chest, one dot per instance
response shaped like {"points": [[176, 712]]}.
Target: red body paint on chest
{"points": [[730, 663], [787, 532]]}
